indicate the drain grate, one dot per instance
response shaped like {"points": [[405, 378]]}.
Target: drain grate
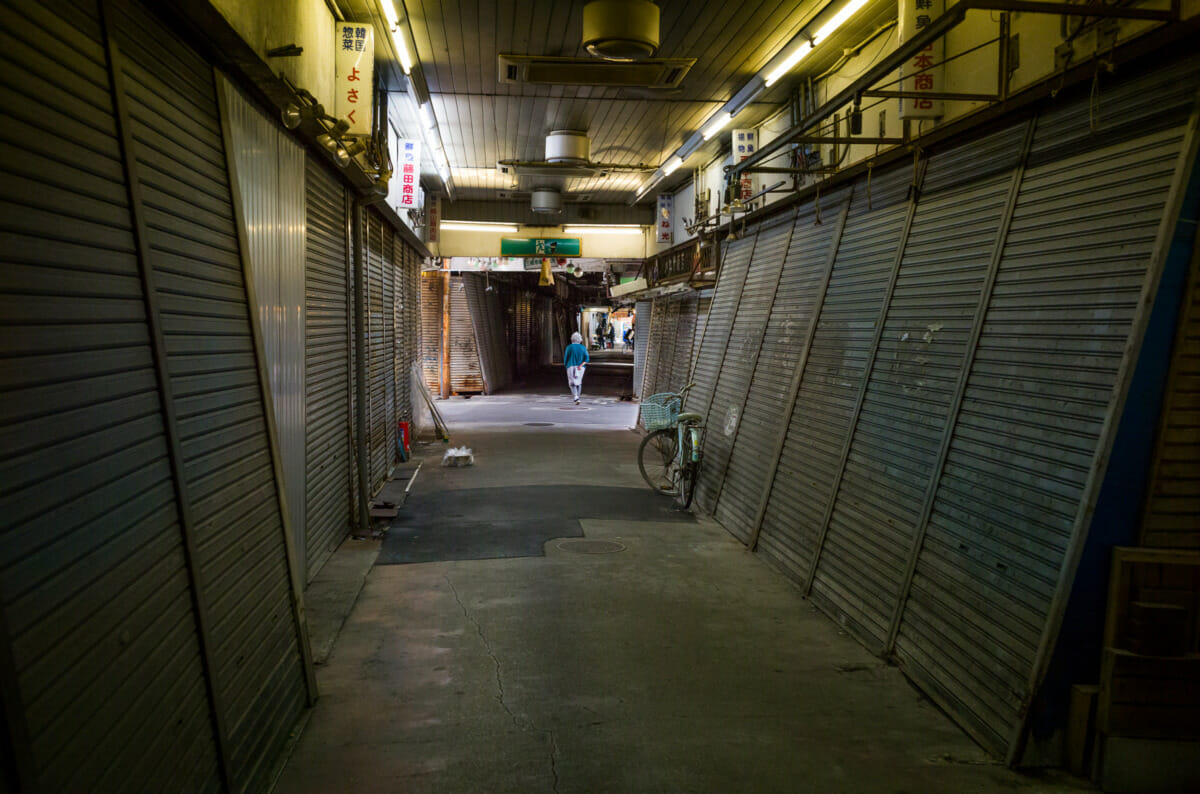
{"points": [[539, 424], [591, 546]]}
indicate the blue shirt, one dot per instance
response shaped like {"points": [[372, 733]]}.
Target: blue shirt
{"points": [[574, 355]]}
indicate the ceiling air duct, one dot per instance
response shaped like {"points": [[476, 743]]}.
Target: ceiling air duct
{"points": [[620, 30], [567, 146], [547, 201]]}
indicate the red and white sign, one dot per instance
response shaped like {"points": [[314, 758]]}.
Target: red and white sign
{"points": [[355, 75], [408, 173], [924, 71], [745, 143], [666, 218]]}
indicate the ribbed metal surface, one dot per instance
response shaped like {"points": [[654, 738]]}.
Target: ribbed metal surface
{"points": [[913, 381], [832, 378], [431, 331], [762, 422], [327, 367], [488, 324], [227, 457], [526, 333], [735, 263], [703, 307], [660, 346], [465, 373], [1174, 502], [642, 329], [389, 275], [741, 355], [408, 314], [96, 596], [685, 340], [379, 367], [270, 171], [1039, 391]]}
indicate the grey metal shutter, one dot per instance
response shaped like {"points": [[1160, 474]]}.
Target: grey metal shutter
{"points": [[1013, 495], [407, 326], [327, 366], [820, 423], [270, 184], [685, 336], [1173, 503], [703, 307], [105, 651], [735, 263], [378, 351], [793, 315], [390, 273], [869, 530], [488, 328], [465, 373], [642, 327], [661, 329], [431, 331], [741, 355]]}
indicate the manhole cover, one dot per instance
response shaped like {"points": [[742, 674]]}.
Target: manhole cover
{"points": [[591, 546], [573, 408], [539, 424]]}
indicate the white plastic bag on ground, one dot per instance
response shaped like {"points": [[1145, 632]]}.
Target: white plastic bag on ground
{"points": [[458, 456]]}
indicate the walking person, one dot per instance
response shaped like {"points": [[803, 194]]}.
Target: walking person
{"points": [[575, 359]]}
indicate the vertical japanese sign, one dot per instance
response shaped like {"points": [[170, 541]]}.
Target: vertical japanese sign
{"points": [[433, 217], [355, 67], [745, 143], [666, 218], [408, 172], [919, 74]]}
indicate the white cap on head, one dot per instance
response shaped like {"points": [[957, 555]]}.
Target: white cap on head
{"points": [[576, 338]]}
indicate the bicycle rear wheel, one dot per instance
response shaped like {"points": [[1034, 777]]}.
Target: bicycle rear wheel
{"points": [[687, 484], [656, 460]]}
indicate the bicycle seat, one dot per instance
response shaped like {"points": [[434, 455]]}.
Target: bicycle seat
{"points": [[689, 417]]}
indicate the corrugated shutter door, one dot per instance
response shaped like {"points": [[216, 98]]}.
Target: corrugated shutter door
{"points": [[1039, 393], [735, 264], [741, 355], [685, 334], [1174, 498], [642, 329], [408, 325], [378, 352], [703, 307], [829, 388], [801, 287], [227, 456], [431, 331], [390, 417], [327, 366], [112, 688], [465, 373], [477, 310], [662, 338], [912, 383]]}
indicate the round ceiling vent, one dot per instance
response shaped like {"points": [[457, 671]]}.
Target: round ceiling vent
{"points": [[567, 146], [547, 201], [620, 30]]}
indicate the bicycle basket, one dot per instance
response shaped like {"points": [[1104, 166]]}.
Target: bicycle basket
{"points": [[660, 411]]}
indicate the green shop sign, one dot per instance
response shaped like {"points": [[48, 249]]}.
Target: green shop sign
{"points": [[539, 246]]}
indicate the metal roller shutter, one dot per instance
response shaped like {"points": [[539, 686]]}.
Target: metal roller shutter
{"points": [[741, 355], [1035, 416], [685, 335], [735, 264], [390, 273], [495, 311], [216, 380], [407, 326], [327, 366], [793, 316], [661, 330], [465, 373], [1174, 493], [820, 423], [107, 662], [869, 529], [431, 331], [482, 319], [642, 328], [703, 307], [378, 352]]}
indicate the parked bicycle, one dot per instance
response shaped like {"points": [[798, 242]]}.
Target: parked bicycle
{"points": [[669, 457]]}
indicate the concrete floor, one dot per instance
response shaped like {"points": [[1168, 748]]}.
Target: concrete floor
{"points": [[680, 663]]}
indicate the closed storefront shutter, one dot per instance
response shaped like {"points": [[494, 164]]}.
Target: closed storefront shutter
{"points": [[643, 328], [660, 345], [735, 263], [703, 307], [1013, 493], [490, 339], [327, 366], [784, 347], [465, 373], [685, 333], [431, 331], [820, 423], [388, 359], [378, 351]]}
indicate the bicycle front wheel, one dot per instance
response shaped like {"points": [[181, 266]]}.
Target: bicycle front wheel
{"points": [[687, 484], [656, 459]]}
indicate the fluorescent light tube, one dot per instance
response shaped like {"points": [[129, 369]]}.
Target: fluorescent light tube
{"points": [[389, 11], [717, 124], [602, 230], [832, 25], [670, 166], [797, 54], [825, 31], [427, 116], [475, 226]]}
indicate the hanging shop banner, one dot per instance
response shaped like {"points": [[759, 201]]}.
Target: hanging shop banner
{"points": [[355, 74], [408, 172], [923, 72], [666, 218], [745, 143], [433, 218], [537, 246]]}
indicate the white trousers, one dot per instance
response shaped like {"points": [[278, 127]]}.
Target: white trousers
{"points": [[575, 380]]}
